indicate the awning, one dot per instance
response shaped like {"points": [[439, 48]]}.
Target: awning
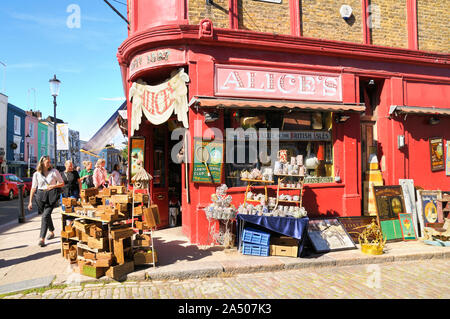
{"points": [[109, 130], [203, 101], [431, 110]]}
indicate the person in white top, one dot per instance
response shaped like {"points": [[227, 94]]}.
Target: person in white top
{"points": [[45, 180], [114, 178]]}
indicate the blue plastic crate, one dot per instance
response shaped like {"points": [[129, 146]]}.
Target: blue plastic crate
{"points": [[254, 236], [255, 250]]}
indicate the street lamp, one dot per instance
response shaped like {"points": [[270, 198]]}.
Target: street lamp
{"points": [[28, 152], [54, 90]]}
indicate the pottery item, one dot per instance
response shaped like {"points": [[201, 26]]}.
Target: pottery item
{"points": [[296, 198], [293, 160], [299, 159], [282, 156], [301, 171], [249, 195]]}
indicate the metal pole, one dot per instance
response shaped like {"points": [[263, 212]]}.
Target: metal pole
{"points": [[21, 209], [54, 127], [28, 150]]}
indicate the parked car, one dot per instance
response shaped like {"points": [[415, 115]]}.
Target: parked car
{"points": [[28, 181], [9, 185]]}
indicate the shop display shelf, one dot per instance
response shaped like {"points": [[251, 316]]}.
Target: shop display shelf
{"points": [[257, 181], [289, 201], [294, 188], [287, 175], [254, 236], [255, 250]]}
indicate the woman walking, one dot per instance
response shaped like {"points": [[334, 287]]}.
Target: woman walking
{"points": [[46, 182], [72, 182], [86, 174], [100, 174]]}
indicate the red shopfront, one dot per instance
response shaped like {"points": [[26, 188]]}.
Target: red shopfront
{"points": [[232, 82]]}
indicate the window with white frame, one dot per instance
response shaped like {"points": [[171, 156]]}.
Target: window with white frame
{"points": [[43, 137], [31, 129], [16, 125]]}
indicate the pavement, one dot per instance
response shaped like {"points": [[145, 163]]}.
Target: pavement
{"points": [[25, 265]]}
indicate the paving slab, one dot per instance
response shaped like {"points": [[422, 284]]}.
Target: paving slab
{"points": [[26, 284]]}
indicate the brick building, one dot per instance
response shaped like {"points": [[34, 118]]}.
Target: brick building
{"points": [[377, 72]]}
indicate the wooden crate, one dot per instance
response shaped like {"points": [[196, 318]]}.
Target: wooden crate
{"points": [[121, 233], [83, 227], [118, 272], [119, 189], [150, 217], [287, 251], [68, 234], [97, 243], [143, 258], [121, 249], [97, 232], [89, 255], [121, 207], [121, 199], [142, 240], [109, 216], [93, 271], [89, 192], [141, 198]]}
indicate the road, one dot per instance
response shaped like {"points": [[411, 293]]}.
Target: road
{"points": [[9, 210], [428, 279]]}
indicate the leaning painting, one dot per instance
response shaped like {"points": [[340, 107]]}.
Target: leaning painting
{"points": [[329, 235]]}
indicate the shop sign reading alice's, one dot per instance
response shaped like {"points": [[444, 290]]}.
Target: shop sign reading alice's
{"points": [[267, 83]]}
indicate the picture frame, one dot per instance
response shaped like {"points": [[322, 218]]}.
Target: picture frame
{"points": [[391, 229], [409, 196], [329, 235], [407, 227], [436, 154], [429, 208], [137, 152], [354, 225], [389, 201]]}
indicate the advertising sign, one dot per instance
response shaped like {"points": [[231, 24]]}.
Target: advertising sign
{"points": [[62, 137]]}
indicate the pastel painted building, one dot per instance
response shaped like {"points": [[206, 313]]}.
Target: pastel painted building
{"points": [[15, 140], [31, 140], [42, 139]]}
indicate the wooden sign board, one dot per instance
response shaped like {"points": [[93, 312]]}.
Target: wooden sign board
{"points": [[208, 161], [437, 154], [391, 229], [389, 200], [355, 225], [329, 235]]}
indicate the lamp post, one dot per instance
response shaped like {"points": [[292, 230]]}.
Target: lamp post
{"points": [[28, 152], [54, 90]]}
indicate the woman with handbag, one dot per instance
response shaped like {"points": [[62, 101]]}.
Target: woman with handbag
{"points": [[71, 180], [47, 182], [86, 175], [100, 174]]}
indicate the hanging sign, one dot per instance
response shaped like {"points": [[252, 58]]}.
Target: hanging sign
{"points": [[208, 161], [62, 137], [437, 154], [447, 162], [278, 84], [160, 101]]}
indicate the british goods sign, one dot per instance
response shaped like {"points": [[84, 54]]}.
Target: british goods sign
{"points": [[278, 84], [155, 58], [160, 101]]}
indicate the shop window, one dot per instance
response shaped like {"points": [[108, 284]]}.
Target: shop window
{"points": [[299, 133]]}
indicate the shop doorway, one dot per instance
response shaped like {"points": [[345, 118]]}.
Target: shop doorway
{"points": [[369, 92], [166, 185]]}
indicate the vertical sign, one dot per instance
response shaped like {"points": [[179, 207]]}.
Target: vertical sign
{"points": [[447, 162], [137, 155], [62, 137]]}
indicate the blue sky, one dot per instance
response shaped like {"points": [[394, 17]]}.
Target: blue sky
{"points": [[36, 43]]}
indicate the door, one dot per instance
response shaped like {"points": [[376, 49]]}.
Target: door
{"points": [[159, 164]]}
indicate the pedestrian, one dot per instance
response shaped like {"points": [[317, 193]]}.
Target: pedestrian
{"points": [[100, 174], [47, 182], [72, 182], [86, 175], [115, 177]]}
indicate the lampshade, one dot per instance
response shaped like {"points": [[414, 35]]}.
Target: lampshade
{"points": [[54, 86]]}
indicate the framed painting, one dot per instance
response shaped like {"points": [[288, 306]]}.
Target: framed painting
{"points": [[437, 154], [329, 235], [409, 196], [391, 229], [407, 227], [430, 207], [389, 201], [137, 153], [355, 225]]}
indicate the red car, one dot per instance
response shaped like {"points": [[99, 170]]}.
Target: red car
{"points": [[9, 186]]}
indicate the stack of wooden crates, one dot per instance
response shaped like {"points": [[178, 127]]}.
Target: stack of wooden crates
{"points": [[97, 232]]}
